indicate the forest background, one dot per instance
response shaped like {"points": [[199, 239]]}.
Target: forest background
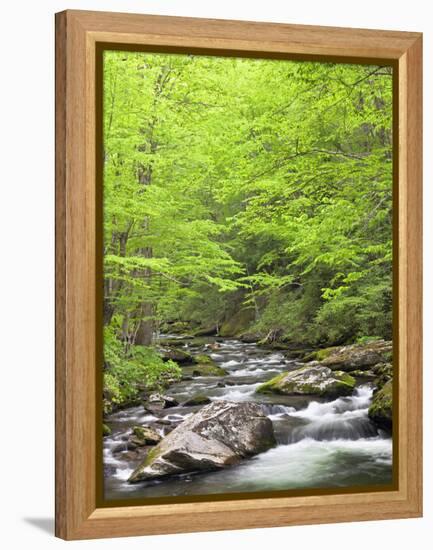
{"points": [[242, 197]]}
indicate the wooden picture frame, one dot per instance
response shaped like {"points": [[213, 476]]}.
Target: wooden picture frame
{"points": [[78, 36]]}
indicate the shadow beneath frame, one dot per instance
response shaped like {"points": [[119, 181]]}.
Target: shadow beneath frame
{"points": [[43, 524]]}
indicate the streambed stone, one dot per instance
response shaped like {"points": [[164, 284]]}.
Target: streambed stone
{"points": [[144, 435], [177, 355], [202, 370], [199, 399], [219, 435], [156, 402], [312, 379], [380, 411], [356, 356]]}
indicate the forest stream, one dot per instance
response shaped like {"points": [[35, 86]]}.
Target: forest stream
{"points": [[320, 443]]}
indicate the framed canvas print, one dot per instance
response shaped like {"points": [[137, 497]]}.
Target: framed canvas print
{"points": [[238, 274]]}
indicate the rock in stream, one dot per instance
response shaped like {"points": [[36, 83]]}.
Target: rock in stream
{"points": [[312, 379], [380, 410], [219, 435]]}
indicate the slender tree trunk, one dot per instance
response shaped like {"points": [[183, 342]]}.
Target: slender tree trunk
{"points": [[113, 287], [126, 337], [144, 334]]}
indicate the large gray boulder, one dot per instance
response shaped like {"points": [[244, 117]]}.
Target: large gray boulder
{"points": [[357, 356], [219, 435], [313, 379]]}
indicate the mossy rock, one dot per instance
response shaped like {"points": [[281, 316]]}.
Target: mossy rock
{"points": [[106, 430], [383, 369], [383, 372], [157, 402], [310, 380], [358, 356], [203, 359], [204, 370], [206, 331], [144, 435], [363, 374], [272, 385], [199, 399], [380, 411], [320, 354], [152, 455], [177, 355]]}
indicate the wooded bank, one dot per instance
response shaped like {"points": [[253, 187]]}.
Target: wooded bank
{"points": [[243, 197]]}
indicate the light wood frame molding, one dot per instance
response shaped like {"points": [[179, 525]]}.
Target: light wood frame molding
{"points": [[77, 35]]}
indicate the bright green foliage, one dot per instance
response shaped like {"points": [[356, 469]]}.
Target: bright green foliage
{"points": [[129, 372], [242, 183]]}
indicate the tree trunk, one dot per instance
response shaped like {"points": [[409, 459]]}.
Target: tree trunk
{"points": [[144, 334], [113, 287]]}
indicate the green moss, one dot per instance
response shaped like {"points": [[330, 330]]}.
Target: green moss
{"points": [[139, 431], [145, 436], [152, 455], [203, 359], [345, 378], [271, 386], [306, 389], [106, 430], [341, 387], [380, 410], [322, 354], [368, 339]]}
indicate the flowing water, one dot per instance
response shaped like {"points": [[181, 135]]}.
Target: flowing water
{"points": [[320, 443]]}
